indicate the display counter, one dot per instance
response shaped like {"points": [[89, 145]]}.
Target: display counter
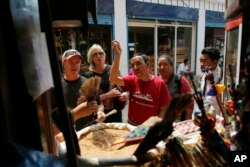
{"points": [[183, 148]]}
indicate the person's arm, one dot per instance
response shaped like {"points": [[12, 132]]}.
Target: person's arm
{"points": [[114, 72], [84, 109], [162, 110], [110, 94], [124, 96], [100, 113]]}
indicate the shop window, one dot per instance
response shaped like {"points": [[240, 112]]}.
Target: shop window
{"points": [[231, 56], [184, 44], [166, 43], [141, 40], [74, 37], [215, 37], [165, 40]]}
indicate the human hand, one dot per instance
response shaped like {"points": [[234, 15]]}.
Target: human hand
{"points": [[100, 116], [123, 96], [84, 109], [92, 106], [116, 47], [113, 93]]}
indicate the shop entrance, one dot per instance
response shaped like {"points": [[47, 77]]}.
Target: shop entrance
{"points": [[156, 38]]}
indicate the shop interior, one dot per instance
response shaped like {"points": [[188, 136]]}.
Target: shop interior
{"points": [[74, 36]]}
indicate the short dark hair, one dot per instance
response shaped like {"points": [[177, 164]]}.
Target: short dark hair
{"points": [[185, 60], [213, 53]]}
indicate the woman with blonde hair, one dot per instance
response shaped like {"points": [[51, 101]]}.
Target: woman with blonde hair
{"points": [[111, 95]]}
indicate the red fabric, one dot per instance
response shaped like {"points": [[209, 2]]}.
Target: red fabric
{"points": [[145, 98], [131, 71], [185, 86]]}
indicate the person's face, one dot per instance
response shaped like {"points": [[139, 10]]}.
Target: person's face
{"points": [[187, 63], [206, 62], [151, 62], [139, 66], [98, 56], [72, 65], [164, 68]]}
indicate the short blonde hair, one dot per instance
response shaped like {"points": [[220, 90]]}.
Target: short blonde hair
{"points": [[90, 54]]}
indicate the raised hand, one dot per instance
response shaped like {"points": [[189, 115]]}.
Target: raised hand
{"points": [[116, 47]]}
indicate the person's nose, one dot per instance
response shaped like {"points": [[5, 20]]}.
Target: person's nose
{"points": [[135, 67], [201, 63], [161, 67]]}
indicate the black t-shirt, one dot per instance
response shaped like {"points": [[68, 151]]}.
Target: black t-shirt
{"points": [[105, 83], [105, 87], [71, 91]]}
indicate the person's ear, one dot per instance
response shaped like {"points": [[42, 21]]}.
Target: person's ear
{"points": [[63, 64], [215, 61], [147, 65]]}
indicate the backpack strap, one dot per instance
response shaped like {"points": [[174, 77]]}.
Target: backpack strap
{"points": [[178, 78], [178, 81]]}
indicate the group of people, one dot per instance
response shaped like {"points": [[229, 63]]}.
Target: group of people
{"points": [[110, 96], [147, 94]]}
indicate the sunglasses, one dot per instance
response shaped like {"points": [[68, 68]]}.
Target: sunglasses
{"points": [[98, 53]]}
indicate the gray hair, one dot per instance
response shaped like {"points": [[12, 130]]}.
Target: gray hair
{"points": [[168, 58], [142, 55]]}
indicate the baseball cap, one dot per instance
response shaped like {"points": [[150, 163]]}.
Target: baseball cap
{"points": [[70, 53]]}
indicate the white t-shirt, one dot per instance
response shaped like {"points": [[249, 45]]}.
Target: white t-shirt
{"points": [[181, 68], [205, 87]]}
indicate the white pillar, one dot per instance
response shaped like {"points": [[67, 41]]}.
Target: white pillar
{"points": [[120, 32], [200, 38]]}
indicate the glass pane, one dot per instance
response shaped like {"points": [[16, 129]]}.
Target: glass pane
{"points": [[166, 41], [166, 38], [184, 44], [67, 38], [231, 55], [141, 40]]}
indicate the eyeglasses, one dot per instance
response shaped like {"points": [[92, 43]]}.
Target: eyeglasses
{"points": [[98, 53]]}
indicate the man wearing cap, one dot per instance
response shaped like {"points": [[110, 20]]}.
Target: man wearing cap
{"points": [[71, 83]]}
